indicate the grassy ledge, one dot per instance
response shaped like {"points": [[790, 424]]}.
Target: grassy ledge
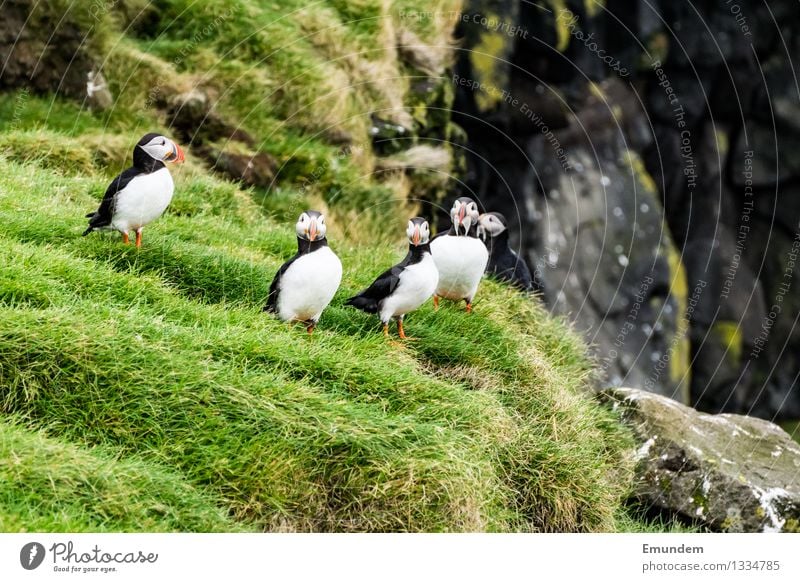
{"points": [[146, 391]]}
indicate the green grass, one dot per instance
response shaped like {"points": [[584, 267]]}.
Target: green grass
{"points": [[145, 390], [163, 355], [50, 485]]}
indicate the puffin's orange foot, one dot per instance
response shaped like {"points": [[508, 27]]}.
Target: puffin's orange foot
{"points": [[125, 239], [401, 332], [469, 307], [138, 239], [310, 328], [385, 330], [436, 303]]}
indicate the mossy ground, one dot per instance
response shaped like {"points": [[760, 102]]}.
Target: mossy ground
{"points": [[145, 390]]}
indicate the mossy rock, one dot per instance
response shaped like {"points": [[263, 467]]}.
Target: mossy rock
{"points": [[728, 472]]}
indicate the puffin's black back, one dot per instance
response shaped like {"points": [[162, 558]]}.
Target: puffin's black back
{"points": [[142, 164], [370, 299], [506, 265]]}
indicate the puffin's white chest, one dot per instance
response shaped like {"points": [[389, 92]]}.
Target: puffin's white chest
{"points": [[461, 261], [144, 199], [308, 285], [417, 285]]}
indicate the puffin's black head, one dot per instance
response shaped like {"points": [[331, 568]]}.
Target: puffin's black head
{"points": [[464, 214], [311, 226], [491, 224], [418, 231], [160, 148]]}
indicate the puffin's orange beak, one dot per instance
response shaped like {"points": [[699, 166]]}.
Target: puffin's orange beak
{"points": [[177, 156], [462, 213], [312, 231], [415, 238]]}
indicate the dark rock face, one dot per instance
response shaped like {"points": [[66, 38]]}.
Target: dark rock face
{"points": [[44, 50], [728, 472], [647, 164], [226, 148]]}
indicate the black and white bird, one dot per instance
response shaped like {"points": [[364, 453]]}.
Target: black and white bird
{"points": [[407, 285], [459, 255], [306, 283], [504, 263], [140, 194]]}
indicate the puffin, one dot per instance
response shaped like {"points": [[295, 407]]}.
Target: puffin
{"points": [[305, 284], [141, 193], [460, 255], [407, 285], [504, 263]]}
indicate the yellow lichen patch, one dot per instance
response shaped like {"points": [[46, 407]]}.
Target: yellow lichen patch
{"points": [[639, 171], [487, 58], [730, 336], [681, 356], [658, 49], [593, 7], [723, 142], [562, 16]]}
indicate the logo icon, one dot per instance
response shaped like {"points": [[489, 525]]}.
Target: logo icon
{"points": [[31, 555]]}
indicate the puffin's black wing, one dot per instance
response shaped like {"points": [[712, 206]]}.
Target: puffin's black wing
{"points": [[274, 289], [449, 231], [510, 267], [369, 299], [102, 217]]}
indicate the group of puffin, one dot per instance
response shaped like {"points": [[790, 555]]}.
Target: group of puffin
{"points": [[450, 265]]}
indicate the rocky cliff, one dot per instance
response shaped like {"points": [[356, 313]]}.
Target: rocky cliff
{"points": [[645, 154]]}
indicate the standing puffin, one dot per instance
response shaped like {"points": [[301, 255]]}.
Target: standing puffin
{"points": [[459, 255], [141, 193], [306, 283], [504, 263], [407, 285]]}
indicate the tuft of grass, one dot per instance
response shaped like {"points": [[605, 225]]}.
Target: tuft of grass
{"points": [[52, 485]]}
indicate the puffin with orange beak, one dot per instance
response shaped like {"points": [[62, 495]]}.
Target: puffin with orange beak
{"points": [[140, 194], [306, 283], [459, 255], [407, 285]]}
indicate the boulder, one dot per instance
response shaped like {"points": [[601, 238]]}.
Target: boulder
{"points": [[727, 472]]}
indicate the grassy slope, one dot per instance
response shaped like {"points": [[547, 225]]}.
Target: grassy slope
{"points": [[153, 375]]}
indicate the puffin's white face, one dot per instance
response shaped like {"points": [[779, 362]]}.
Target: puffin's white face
{"points": [[464, 214], [163, 149], [489, 224], [311, 226], [418, 231]]}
